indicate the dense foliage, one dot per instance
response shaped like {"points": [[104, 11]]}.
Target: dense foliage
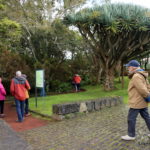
{"points": [[31, 39], [32, 36], [115, 32]]}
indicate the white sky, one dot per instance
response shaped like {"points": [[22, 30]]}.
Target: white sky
{"points": [[144, 3]]}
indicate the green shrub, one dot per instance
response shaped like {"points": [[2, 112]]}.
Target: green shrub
{"points": [[64, 87], [59, 87]]}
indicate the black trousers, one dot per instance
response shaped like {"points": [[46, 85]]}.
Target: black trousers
{"points": [[132, 115], [1, 106], [77, 86], [26, 106]]}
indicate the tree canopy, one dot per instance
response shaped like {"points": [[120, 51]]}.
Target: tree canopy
{"points": [[108, 14], [115, 32], [10, 31], [32, 36]]}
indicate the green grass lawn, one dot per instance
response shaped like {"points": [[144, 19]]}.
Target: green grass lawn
{"points": [[92, 92]]}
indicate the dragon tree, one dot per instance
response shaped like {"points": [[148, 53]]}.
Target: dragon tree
{"points": [[115, 32]]}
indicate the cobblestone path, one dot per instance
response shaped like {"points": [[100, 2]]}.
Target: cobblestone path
{"points": [[94, 131], [10, 140]]}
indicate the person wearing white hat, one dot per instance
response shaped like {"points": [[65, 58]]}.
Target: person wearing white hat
{"points": [[18, 88]]}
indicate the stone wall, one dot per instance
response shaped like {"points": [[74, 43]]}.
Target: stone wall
{"points": [[61, 111]]}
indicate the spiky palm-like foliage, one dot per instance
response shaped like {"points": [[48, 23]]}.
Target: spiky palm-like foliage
{"points": [[115, 32], [108, 14]]}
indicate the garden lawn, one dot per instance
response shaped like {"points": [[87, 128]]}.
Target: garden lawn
{"points": [[44, 104]]}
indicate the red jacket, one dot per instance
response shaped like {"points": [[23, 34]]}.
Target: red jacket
{"points": [[77, 79], [18, 88]]}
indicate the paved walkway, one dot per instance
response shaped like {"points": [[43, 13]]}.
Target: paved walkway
{"points": [[95, 131], [10, 140], [29, 122]]}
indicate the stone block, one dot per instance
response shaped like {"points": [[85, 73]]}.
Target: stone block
{"points": [[113, 101], [69, 110], [83, 107], [117, 100], [120, 99], [97, 104], [56, 108], [103, 102], [108, 102], [66, 108], [90, 106]]}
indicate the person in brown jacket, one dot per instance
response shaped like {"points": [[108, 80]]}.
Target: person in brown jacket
{"points": [[137, 92]]}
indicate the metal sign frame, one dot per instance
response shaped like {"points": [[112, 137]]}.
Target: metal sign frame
{"points": [[39, 81]]}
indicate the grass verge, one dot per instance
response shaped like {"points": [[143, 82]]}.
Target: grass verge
{"points": [[44, 104]]}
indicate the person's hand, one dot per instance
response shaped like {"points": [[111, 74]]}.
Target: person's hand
{"points": [[147, 99]]}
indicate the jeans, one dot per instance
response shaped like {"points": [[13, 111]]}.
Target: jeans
{"points": [[26, 106], [132, 115], [42, 93], [20, 109], [77, 86]]}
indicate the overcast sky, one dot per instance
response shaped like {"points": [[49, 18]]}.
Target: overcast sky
{"points": [[145, 3]]}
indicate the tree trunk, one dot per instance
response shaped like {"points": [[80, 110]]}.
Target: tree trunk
{"points": [[99, 73], [109, 79], [146, 62]]}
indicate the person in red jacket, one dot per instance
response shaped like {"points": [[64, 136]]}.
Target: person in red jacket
{"points": [[18, 88], [76, 81]]}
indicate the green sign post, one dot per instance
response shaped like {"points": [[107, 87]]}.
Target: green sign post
{"points": [[39, 78], [39, 83]]}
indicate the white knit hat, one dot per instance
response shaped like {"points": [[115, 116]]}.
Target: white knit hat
{"points": [[18, 73]]}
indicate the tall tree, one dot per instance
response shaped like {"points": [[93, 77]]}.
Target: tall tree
{"points": [[30, 14], [113, 31], [35, 14], [10, 31]]}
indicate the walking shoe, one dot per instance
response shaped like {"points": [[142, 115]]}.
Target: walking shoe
{"points": [[19, 121], [2, 115], [127, 138], [26, 115]]}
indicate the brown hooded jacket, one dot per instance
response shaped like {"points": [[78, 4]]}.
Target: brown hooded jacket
{"points": [[138, 90]]}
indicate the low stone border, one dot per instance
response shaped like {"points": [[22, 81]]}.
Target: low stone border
{"points": [[61, 111]]}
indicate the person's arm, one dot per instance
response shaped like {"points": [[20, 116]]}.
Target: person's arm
{"points": [[2, 89], [27, 85], [140, 84]]}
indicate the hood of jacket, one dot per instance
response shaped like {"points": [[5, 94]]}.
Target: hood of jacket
{"points": [[140, 71], [144, 73], [19, 80]]}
